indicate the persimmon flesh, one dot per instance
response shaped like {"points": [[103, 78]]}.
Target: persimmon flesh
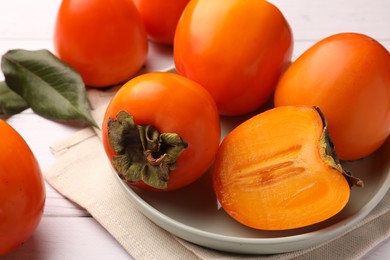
{"points": [[276, 171]]}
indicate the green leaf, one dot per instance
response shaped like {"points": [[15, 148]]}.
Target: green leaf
{"points": [[10, 102], [52, 88]]}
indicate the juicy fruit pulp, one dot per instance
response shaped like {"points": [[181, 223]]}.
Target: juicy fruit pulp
{"points": [[273, 172]]}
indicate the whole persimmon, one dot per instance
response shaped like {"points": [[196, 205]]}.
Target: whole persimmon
{"points": [[22, 190], [105, 41], [235, 49], [347, 75], [160, 18], [161, 131]]}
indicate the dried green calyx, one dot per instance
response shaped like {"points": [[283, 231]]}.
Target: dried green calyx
{"points": [[142, 152], [331, 157]]}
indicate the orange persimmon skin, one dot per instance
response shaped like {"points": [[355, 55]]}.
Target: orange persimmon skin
{"points": [[270, 173], [172, 104], [235, 49], [104, 41], [22, 190], [160, 18], [347, 75]]}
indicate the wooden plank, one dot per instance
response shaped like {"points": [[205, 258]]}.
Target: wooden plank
{"points": [[69, 238], [313, 20], [67, 231], [59, 206], [310, 20], [21, 19]]}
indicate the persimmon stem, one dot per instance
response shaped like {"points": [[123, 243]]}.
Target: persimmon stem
{"points": [[331, 156], [142, 152]]}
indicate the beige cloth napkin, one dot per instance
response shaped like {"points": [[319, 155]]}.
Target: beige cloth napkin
{"points": [[82, 174]]}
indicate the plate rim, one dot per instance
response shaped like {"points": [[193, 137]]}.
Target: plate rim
{"points": [[248, 245]]}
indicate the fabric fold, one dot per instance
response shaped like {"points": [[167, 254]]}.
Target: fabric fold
{"points": [[83, 175]]}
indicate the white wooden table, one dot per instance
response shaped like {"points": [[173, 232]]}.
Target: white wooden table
{"points": [[69, 232]]}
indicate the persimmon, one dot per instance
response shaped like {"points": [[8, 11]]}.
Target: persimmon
{"points": [[22, 190], [278, 171], [348, 76], [235, 49], [161, 131], [105, 41], [160, 18]]}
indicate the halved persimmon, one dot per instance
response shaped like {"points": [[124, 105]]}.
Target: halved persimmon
{"points": [[278, 171]]}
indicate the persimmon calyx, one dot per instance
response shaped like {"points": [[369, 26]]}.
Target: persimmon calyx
{"points": [[142, 152], [331, 156]]}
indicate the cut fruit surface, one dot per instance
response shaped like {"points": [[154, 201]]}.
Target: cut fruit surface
{"points": [[277, 171]]}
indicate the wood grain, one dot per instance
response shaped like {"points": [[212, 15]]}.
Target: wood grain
{"points": [[68, 231]]}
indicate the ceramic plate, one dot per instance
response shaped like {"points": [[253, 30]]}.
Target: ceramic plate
{"points": [[194, 214]]}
